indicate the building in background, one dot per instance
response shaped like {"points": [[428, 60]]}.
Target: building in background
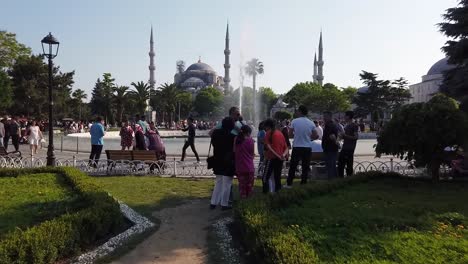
{"points": [[318, 65]]}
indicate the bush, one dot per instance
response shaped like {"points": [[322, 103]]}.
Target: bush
{"points": [[68, 234], [264, 234]]}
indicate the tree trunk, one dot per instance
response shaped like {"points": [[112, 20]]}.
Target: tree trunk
{"points": [[434, 168]]}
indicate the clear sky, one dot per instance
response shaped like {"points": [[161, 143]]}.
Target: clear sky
{"points": [[394, 38]]}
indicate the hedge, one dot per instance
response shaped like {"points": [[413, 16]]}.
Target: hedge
{"points": [[267, 238], [68, 234]]}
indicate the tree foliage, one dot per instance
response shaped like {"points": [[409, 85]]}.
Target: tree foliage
{"points": [[6, 92], [421, 131], [247, 102], [11, 49], [141, 95], [208, 100], [282, 115], [299, 92], [455, 27], [101, 99], [253, 68], [267, 99]]}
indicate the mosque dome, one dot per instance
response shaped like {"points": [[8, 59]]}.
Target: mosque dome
{"points": [[200, 66], [440, 67], [363, 89], [193, 82]]}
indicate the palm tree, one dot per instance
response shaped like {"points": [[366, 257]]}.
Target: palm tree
{"points": [[253, 68], [120, 99], [79, 95], [141, 95], [166, 95]]}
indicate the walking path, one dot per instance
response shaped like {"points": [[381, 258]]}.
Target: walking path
{"points": [[181, 238]]}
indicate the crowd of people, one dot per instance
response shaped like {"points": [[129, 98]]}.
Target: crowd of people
{"points": [[20, 131], [233, 151]]}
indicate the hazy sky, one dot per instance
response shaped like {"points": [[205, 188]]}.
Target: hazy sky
{"points": [[391, 37]]}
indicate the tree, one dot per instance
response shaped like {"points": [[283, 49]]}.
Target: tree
{"points": [[282, 115], [184, 103], [141, 95], [455, 82], [78, 97], [6, 92], [11, 49], [399, 94], [349, 92], [299, 92], [120, 101], [267, 99], [101, 99], [208, 100], [164, 100], [327, 99], [29, 76], [421, 131], [253, 68], [247, 102]]}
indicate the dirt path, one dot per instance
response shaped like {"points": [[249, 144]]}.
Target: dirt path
{"points": [[181, 238]]}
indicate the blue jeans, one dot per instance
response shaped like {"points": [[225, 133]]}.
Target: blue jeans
{"points": [[330, 163]]}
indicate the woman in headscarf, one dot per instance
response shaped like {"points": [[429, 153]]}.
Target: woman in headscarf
{"points": [[222, 141], [139, 138], [126, 136], [156, 144]]}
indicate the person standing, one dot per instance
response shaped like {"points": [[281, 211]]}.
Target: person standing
{"points": [[319, 129], [14, 132], [350, 137], [222, 141], [276, 153], [330, 144], [6, 138], [244, 151], [34, 137], [140, 141], [144, 125], [97, 142], [2, 132], [190, 140], [303, 131], [126, 136], [260, 143]]}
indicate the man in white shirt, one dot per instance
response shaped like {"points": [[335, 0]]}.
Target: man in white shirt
{"points": [[303, 131], [319, 129]]}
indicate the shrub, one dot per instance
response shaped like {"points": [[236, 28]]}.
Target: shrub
{"points": [[68, 234], [264, 234]]}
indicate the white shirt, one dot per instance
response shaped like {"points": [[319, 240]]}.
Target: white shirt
{"points": [[34, 133], [303, 128], [316, 145], [319, 131], [2, 130]]}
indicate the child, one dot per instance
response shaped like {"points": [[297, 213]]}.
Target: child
{"points": [[244, 157]]}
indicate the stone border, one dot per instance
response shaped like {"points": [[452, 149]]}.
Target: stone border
{"points": [[141, 224]]}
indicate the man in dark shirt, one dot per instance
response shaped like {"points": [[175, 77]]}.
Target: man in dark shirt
{"points": [[330, 144], [14, 132], [350, 138], [190, 140]]}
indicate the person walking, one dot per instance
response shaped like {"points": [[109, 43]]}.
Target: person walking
{"points": [[14, 133], [190, 140], [303, 130], [97, 142], [244, 151], [34, 137], [126, 136], [330, 144], [275, 154], [350, 137], [222, 141]]}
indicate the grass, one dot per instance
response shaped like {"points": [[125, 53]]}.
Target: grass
{"points": [[31, 199], [147, 194], [385, 221]]}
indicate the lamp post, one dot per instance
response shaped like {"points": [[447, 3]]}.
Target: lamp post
{"points": [[53, 45]]}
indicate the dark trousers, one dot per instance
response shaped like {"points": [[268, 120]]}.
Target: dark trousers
{"points": [[190, 143], [299, 154], [346, 158], [330, 163], [14, 141], [274, 166], [5, 141], [95, 154]]}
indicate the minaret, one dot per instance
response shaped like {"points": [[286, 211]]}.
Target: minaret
{"points": [[151, 67], [315, 68], [227, 52], [320, 62]]}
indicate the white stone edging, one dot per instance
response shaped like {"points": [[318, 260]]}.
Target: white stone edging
{"points": [[141, 224], [230, 254]]}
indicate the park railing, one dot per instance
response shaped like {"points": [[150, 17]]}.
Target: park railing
{"points": [[175, 168]]}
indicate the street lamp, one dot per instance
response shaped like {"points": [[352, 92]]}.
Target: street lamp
{"points": [[53, 46]]}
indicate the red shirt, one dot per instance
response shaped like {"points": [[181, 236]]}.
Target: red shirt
{"points": [[277, 143]]}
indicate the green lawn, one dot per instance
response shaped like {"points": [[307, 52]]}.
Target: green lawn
{"points": [[385, 221], [148, 193], [30, 199]]}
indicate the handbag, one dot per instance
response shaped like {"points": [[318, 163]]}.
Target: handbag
{"points": [[210, 161]]}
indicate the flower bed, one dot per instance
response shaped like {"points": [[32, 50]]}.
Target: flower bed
{"points": [[369, 218], [68, 234]]}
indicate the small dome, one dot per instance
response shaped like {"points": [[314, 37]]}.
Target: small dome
{"points": [[193, 82], [200, 66], [440, 67], [363, 90]]}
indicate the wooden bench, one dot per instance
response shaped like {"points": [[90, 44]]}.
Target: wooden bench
{"points": [[317, 166], [132, 156], [11, 154], [119, 154]]}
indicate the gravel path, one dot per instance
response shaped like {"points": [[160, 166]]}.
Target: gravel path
{"points": [[181, 238]]}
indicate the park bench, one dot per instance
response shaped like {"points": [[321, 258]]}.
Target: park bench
{"points": [[317, 166], [133, 157], [113, 156], [11, 154]]}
